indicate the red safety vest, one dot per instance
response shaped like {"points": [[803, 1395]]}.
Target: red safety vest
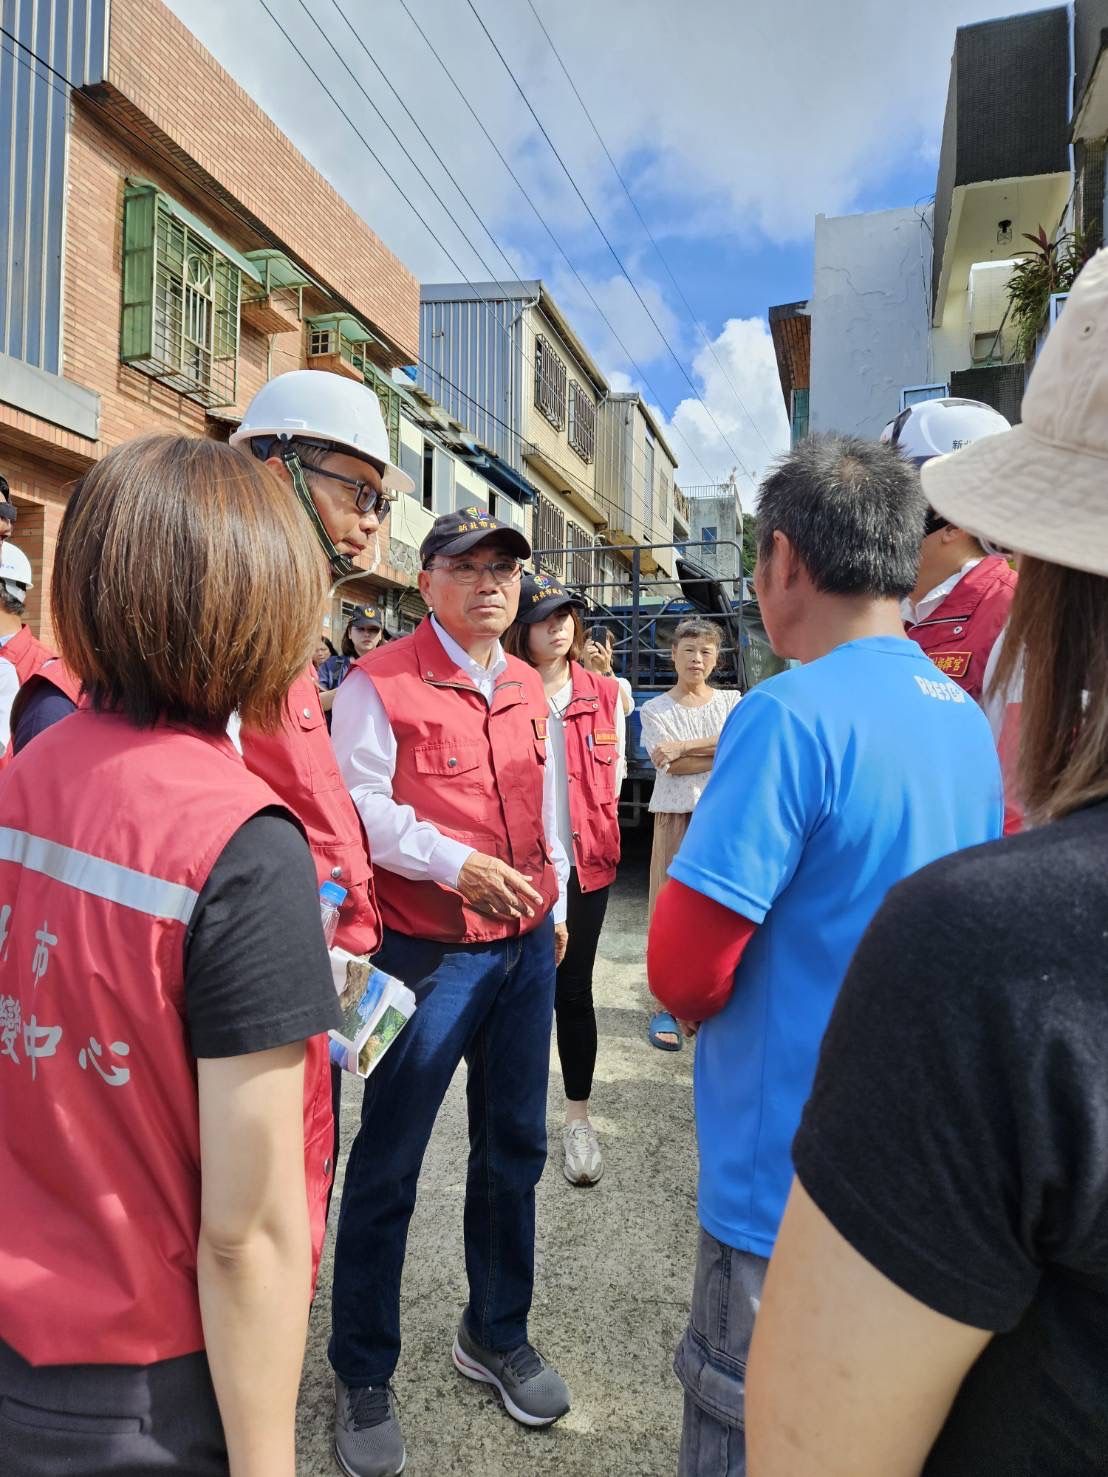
{"points": [[299, 763], [959, 636], [110, 833], [26, 653], [35, 663], [473, 769], [589, 722]]}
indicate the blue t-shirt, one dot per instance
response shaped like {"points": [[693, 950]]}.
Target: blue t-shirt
{"points": [[831, 783]]}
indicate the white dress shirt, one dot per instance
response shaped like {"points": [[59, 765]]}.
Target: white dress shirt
{"points": [[913, 614], [366, 748], [9, 687]]}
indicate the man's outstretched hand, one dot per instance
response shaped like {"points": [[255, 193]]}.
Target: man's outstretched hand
{"points": [[492, 887]]}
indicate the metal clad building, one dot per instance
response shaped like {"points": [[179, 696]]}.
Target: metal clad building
{"points": [[471, 344], [55, 39]]}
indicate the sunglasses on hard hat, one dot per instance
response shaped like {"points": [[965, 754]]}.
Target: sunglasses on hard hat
{"points": [[368, 497]]}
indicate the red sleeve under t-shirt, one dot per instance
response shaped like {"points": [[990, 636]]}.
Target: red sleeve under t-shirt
{"points": [[693, 950]]}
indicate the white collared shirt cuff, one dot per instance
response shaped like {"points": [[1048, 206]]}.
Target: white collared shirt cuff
{"points": [[446, 861]]}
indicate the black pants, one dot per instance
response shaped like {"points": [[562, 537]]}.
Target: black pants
{"points": [[100, 1420], [573, 1007]]}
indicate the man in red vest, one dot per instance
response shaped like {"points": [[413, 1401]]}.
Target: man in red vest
{"points": [[964, 592], [325, 436], [441, 738]]}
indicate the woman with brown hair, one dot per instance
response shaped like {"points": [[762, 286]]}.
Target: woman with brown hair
{"points": [[585, 734], [938, 1298], [163, 980]]}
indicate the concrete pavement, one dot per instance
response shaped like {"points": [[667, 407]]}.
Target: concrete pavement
{"points": [[614, 1265]]}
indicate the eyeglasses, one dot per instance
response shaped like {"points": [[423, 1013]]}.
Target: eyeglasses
{"points": [[368, 497], [468, 572]]}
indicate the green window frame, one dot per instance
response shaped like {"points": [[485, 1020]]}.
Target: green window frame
{"points": [[389, 397], [181, 297]]}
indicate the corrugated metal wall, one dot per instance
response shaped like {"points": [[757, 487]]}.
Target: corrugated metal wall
{"points": [[71, 38], [473, 367]]}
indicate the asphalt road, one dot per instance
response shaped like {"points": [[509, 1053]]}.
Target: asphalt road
{"points": [[614, 1264]]}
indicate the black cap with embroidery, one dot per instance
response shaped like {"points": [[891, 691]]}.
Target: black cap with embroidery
{"points": [[541, 595], [457, 533], [366, 617]]}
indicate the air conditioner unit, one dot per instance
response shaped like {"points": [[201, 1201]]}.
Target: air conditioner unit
{"points": [[913, 394]]}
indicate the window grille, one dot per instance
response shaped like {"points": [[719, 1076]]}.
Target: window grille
{"points": [[582, 422], [180, 319], [550, 383], [579, 558], [550, 534]]}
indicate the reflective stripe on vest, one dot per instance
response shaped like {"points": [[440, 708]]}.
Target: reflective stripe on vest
{"points": [[110, 835], [589, 723], [473, 769]]}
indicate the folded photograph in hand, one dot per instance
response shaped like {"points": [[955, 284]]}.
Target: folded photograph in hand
{"points": [[375, 1009]]}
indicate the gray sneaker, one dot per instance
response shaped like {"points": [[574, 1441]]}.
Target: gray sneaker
{"points": [[584, 1163], [368, 1440], [532, 1392]]}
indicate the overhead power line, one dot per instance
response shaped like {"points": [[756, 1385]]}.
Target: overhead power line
{"points": [[423, 221], [649, 233], [546, 227], [225, 205], [604, 237]]}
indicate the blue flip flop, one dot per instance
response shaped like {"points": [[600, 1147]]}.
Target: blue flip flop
{"points": [[663, 1024]]}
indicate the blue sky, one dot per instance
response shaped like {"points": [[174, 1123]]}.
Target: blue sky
{"points": [[733, 123]]}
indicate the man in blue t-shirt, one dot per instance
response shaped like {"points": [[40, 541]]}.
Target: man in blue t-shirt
{"points": [[832, 782]]}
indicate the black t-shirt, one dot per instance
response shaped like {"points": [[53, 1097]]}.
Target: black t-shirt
{"points": [[957, 1134], [257, 974]]}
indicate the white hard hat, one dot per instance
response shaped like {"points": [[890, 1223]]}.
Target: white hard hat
{"points": [[15, 567], [935, 427], [319, 405]]}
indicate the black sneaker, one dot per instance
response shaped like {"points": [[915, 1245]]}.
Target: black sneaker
{"points": [[533, 1393], [368, 1439]]}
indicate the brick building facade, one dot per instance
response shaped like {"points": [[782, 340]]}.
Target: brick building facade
{"points": [[240, 260]]}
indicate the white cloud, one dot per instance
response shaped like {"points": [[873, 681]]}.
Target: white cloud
{"points": [[747, 425], [728, 118], [733, 122]]}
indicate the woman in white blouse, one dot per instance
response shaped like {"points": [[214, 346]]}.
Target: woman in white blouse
{"points": [[680, 729], [548, 634]]}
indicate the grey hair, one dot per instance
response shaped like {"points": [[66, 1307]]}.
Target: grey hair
{"points": [[854, 512], [695, 628]]}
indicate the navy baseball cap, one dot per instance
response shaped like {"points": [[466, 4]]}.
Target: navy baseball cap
{"points": [[457, 533], [541, 595], [366, 617]]}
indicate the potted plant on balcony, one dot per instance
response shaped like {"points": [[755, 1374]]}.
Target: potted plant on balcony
{"points": [[1038, 274]]}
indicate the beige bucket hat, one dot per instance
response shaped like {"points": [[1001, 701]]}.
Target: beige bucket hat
{"points": [[1042, 487]]}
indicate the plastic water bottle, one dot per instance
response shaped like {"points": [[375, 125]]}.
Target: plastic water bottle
{"points": [[331, 899]]}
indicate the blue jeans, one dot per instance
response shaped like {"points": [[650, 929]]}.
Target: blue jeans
{"points": [[491, 1004], [711, 1359]]}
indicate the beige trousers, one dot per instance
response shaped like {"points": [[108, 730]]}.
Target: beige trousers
{"points": [[669, 832]]}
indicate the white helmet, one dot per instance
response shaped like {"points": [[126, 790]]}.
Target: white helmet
{"points": [[319, 405], [15, 570], [934, 427]]}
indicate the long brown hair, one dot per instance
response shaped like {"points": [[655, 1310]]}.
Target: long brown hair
{"points": [[516, 640], [1058, 637], [186, 584]]}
